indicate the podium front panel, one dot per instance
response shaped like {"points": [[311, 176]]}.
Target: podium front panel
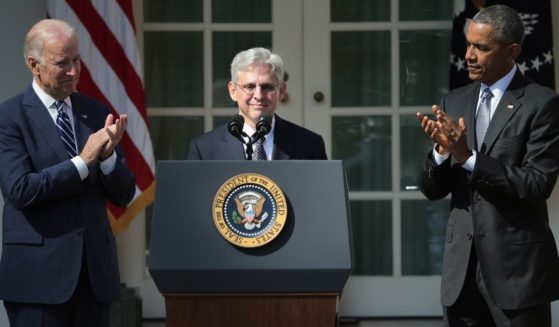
{"points": [[313, 252]]}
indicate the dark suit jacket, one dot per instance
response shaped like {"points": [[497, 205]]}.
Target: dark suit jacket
{"points": [[50, 215], [502, 203], [290, 142]]}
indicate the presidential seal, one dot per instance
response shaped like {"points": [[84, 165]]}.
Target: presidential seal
{"points": [[249, 210]]}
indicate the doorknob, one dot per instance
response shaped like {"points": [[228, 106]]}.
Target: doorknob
{"points": [[318, 96]]}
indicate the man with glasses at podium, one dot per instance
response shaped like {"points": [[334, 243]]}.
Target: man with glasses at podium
{"points": [[257, 133]]}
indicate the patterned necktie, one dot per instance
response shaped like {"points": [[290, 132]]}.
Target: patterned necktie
{"points": [[259, 153], [483, 116], [64, 128]]}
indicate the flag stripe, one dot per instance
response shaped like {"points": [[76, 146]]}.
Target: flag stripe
{"points": [[126, 6], [110, 48], [120, 26], [111, 73]]}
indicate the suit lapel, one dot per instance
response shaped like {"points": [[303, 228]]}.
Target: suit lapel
{"points": [[81, 121], [39, 115], [282, 141], [470, 114], [506, 108], [231, 148]]}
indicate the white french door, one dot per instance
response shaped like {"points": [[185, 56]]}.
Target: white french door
{"points": [[363, 83]]}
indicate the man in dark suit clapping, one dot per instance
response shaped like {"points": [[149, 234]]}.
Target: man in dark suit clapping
{"points": [[58, 169], [257, 85], [497, 153]]}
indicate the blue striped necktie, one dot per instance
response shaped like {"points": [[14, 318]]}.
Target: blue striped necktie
{"points": [[64, 128]]}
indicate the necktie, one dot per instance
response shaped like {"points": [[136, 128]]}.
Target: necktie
{"points": [[259, 153], [64, 128], [483, 116]]}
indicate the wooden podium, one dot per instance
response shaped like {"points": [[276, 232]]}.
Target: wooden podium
{"points": [[251, 310], [295, 280]]}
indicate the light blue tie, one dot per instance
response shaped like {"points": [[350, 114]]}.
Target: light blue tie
{"points": [[64, 128], [483, 116]]}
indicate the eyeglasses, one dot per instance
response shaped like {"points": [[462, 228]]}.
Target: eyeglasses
{"points": [[250, 88]]}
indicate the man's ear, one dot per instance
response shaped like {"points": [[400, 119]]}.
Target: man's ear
{"points": [[514, 50], [232, 89], [33, 65], [282, 89]]}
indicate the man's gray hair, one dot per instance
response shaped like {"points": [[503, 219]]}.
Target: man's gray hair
{"points": [[46, 29], [244, 60], [507, 24]]}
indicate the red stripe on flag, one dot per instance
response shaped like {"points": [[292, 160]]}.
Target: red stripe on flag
{"points": [[112, 50], [134, 159]]}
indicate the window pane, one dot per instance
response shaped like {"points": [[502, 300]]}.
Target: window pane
{"points": [[372, 237], [221, 120], [174, 72], [165, 11], [364, 145], [426, 10], [413, 151], [225, 46], [361, 69], [359, 10], [242, 11], [424, 66], [171, 136], [423, 233]]}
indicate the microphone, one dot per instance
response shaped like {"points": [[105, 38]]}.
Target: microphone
{"points": [[263, 127], [235, 127]]}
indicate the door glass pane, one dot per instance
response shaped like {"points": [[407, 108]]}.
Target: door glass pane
{"points": [[372, 237], [359, 10], [364, 145], [174, 69], [171, 136], [225, 46], [361, 69], [426, 10], [242, 11], [221, 120], [415, 145], [424, 67], [167, 11], [423, 235]]}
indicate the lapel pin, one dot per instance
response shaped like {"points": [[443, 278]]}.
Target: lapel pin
{"points": [[84, 116], [510, 107]]}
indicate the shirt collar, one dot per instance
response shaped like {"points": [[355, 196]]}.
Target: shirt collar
{"points": [[45, 98], [249, 130], [498, 88]]}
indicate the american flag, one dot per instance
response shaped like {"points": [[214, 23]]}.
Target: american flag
{"points": [[536, 60], [111, 73]]}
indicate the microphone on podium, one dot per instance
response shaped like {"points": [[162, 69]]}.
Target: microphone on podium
{"points": [[263, 127], [235, 127]]}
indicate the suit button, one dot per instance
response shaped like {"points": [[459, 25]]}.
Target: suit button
{"points": [[79, 233], [469, 235]]}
